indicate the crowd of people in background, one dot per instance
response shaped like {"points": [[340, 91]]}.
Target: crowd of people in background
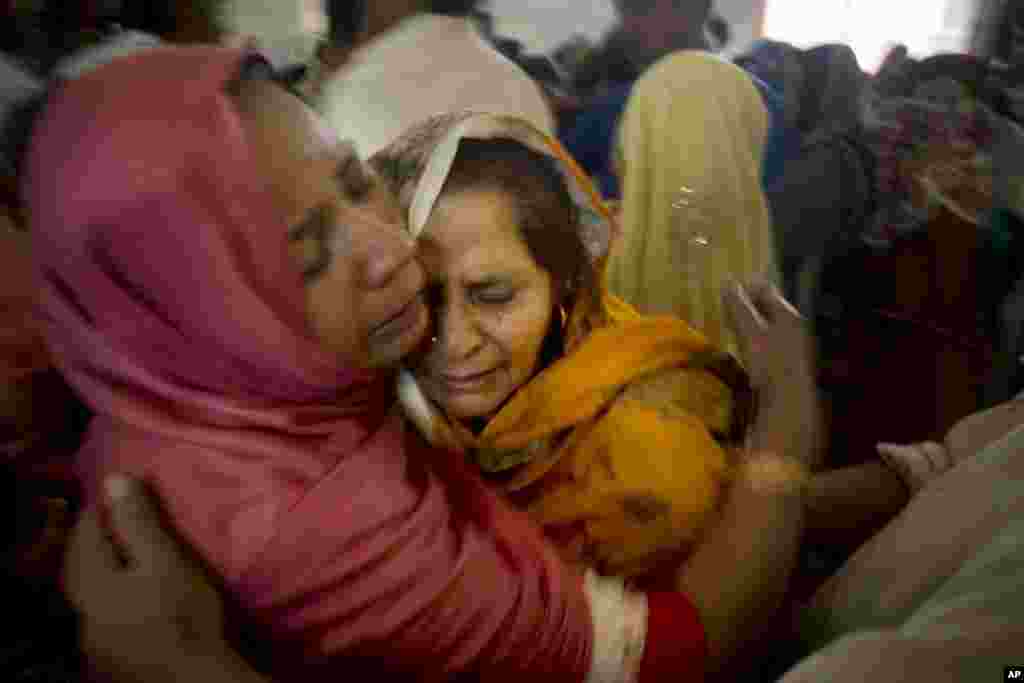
{"points": [[430, 358]]}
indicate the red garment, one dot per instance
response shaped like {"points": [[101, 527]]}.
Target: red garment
{"points": [[676, 648]]}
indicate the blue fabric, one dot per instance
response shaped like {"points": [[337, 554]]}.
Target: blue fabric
{"points": [[763, 60], [782, 142], [591, 138]]}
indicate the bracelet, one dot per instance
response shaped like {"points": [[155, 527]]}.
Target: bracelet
{"points": [[768, 472], [619, 619]]}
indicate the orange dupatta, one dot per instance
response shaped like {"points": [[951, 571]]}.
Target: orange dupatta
{"points": [[618, 449]]}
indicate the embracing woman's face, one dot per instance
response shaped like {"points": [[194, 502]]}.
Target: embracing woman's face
{"points": [[363, 285], [493, 304]]}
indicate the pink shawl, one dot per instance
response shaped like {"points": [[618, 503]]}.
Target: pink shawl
{"points": [[170, 304]]}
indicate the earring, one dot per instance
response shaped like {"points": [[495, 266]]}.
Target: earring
{"points": [[561, 312]]}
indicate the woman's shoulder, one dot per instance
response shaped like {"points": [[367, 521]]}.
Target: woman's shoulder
{"points": [[712, 388]]}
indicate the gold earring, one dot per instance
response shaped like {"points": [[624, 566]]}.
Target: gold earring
{"points": [[565, 317]]}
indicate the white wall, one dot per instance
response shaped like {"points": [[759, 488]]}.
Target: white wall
{"points": [[741, 15], [870, 27], [542, 24]]}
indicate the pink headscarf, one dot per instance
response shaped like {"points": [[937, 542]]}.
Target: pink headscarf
{"points": [[172, 306]]}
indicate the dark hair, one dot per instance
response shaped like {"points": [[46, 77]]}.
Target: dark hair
{"points": [[452, 8], [547, 215], [345, 19], [255, 67], [168, 18], [158, 17], [16, 134], [696, 10], [720, 29]]}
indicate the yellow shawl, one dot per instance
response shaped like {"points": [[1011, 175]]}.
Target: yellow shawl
{"points": [[694, 216], [618, 449]]}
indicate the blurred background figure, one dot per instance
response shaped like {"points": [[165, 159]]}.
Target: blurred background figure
{"points": [[646, 31], [345, 20], [41, 34]]}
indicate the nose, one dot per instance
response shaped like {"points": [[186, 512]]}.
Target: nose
{"points": [[458, 334], [389, 250]]}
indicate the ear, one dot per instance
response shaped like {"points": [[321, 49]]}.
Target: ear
{"points": [[597, 232]]}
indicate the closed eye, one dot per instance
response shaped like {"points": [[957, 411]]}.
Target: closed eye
{"points": [[493, 294], [312, 241]]}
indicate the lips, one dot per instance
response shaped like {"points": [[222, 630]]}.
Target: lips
{"points": [[466, 377], [464, 381]]}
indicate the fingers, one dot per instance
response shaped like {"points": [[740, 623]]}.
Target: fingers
{"points": [[136, 520], [781, 305], [770, 302], [744, 318], [892, 449], [90, 557]]}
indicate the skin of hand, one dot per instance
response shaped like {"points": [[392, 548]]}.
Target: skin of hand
{"points": [[148, 611], [779, 354], [738, 575], [966, 438]]}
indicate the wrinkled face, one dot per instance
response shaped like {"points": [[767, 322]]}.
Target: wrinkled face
{"points": [[493, 304], [363, 286]]}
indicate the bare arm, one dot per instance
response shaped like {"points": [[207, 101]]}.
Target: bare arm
{"points": [[131, 631], [739, 574]]}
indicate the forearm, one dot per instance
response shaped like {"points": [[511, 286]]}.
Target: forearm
{"points": [[848, 505], [739, 574]]}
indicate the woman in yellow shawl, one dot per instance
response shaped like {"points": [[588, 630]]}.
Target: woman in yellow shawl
{"points": [[694, 216], [613, 430]]}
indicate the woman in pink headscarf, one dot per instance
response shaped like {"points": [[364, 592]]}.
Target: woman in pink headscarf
{"points": [[220, 304]]}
